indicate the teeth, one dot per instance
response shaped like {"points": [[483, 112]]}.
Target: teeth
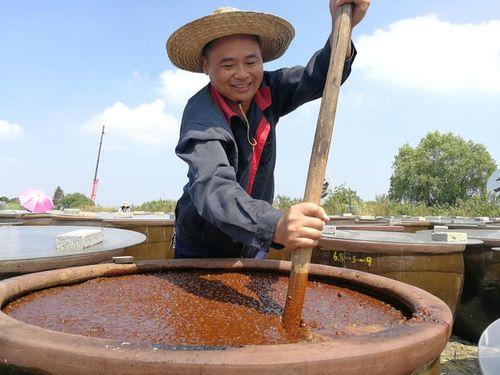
{"points": [[241, 86]]}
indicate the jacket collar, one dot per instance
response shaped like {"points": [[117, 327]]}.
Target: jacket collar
{"points": [[262, 98]]}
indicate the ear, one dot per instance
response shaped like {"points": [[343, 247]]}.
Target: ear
{"points": [[204, 64]]}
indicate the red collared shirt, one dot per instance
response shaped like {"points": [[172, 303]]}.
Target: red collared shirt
{"points": [[263, 100]]}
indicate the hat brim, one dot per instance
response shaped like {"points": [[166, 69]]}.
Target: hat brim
{"points": [[185, 45]]}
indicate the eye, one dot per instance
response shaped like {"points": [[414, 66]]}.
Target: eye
{"points": [[251, 63]]}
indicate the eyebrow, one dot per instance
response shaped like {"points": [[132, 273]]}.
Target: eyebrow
{"points": [[231, 59]]}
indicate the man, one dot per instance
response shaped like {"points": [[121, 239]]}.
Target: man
{"points": [[228, 138]]}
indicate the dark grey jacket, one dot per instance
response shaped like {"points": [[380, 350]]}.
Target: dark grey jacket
{"points": [[215, 216]]}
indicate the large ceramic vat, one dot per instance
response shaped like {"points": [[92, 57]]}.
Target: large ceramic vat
{"points": [[35, 218], [8, 216], [370, 227], [435, 267], [285, 254], [159, 232], [465, 223], [10, 223], [26, 249], [87, 220], [413, 225], [492, 226], [412, 347], [342, 219], [375, 220], [480, 303]]}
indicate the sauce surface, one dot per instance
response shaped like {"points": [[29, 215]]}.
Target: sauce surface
{"points": [[199, 308]]}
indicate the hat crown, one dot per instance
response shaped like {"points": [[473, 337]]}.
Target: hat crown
{"points": [[225, 10]]}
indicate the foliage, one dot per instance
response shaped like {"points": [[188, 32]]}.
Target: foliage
{"points": [[471, 207], [160, 205], [97, 208], [443, 170], [10, 204], [13, 205], [339, 200], [383, 206], [7, 200], [342, 199], [282, 202], [75, 200], [58, 196]]}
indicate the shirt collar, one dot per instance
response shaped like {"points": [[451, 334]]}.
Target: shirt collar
{"points": [[222, 104], [262, 98]]}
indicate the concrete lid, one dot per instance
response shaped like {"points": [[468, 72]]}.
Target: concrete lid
{"points": [[25, 243], [413, 223], [8, 214], [388, 242], [380, 236], [33, 215], [77, 217], [492, 226], [446, 221], [371, 227], [141, 220], [488, 237], [343, 217]]}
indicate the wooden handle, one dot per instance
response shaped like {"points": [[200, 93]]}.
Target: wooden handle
{"points": [[317, 166]]}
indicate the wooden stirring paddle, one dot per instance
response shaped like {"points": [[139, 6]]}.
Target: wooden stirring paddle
{"points": [[317, 166]]}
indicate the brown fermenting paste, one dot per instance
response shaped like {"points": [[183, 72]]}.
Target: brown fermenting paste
{"points": [[200, 309]]}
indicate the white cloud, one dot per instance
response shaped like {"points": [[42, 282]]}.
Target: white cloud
{"points": [[147, 123], [428, 54], [305, 116], [155, 123], [177, 86], [7, 161], [354, 99], [10, 131]]}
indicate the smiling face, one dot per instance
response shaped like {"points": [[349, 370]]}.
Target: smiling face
{"points": [[234, 66]]}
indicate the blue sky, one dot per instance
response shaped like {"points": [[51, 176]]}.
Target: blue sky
{"points": [[66, 67]]}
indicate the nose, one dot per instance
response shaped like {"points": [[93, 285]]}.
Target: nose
{"points": [[241, 72]]}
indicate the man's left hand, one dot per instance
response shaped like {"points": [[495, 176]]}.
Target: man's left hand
{"points": [[359, 9]]}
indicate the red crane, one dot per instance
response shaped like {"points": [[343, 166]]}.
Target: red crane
{"points": [[96, 180]]}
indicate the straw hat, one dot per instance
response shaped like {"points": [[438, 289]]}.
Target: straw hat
{"points": [[185, 45]]}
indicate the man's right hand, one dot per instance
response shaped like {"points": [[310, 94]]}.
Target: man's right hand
{"points": [[301, 226]]}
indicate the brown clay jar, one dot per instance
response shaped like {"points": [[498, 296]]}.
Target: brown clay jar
{"points": [[201, 308]]}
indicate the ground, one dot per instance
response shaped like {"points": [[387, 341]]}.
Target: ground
{"points": [[459, 358]]}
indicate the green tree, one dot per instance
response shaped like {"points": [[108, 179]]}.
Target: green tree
{"points": [[342, 199], [75, 200], [58, 196], [282, 202], [160, 205], [442, 169]]}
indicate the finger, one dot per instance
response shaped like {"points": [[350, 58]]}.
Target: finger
{"points": [[325, 217], [313, 210], [305, 243], [314, 222], [364, 4], [309, 233]]}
